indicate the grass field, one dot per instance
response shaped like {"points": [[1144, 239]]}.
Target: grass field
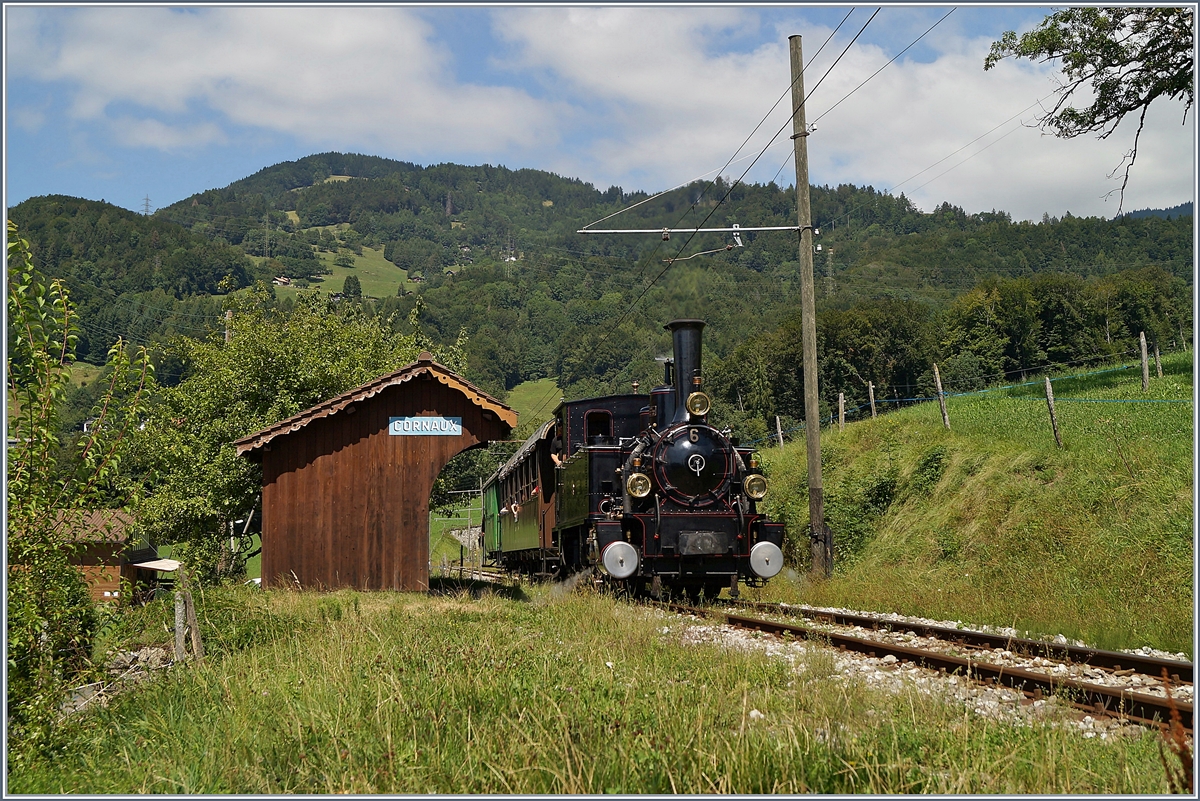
{"points": [[83, 373], [990, 522], [534, 402], [378, 276], [534, 691]]}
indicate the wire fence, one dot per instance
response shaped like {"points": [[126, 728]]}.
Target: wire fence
{"points": [[861, 410]]}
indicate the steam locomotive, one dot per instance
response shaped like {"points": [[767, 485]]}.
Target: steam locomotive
{"points": [[641, 488]]}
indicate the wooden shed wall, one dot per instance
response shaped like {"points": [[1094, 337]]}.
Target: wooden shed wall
{"points": [[103, 568], [345, 504]]}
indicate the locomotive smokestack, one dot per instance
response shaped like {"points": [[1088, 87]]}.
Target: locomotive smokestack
{"points": [[687, 361]]}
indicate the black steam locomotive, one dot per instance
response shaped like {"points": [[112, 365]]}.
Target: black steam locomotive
{"points": [[640, 487]]}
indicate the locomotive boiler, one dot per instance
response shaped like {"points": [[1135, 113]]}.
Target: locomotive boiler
{"points": [[639, 487]]}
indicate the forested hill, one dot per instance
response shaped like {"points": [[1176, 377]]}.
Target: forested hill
{"points": [[496, 254]]}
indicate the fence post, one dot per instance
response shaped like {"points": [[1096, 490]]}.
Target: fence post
{"points": [[841, 411], [778, 431], [1157, 361], [937, 380], [1145, 364], [871, 395], [1053, 417], [194, 624], [180, 623]]}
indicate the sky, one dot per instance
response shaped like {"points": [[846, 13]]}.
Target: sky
{"points": [[143, 106]]}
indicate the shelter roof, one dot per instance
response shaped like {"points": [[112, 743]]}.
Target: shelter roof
{"points": [[424, 366], [95, 525]]}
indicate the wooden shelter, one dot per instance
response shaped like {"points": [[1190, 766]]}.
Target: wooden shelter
{"points": [[346, 484]]}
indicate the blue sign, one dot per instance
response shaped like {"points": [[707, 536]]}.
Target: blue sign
{"points": [[425, 426]]}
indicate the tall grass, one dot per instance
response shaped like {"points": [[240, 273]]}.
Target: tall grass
{"points": [[390, 693], [991, 522]]}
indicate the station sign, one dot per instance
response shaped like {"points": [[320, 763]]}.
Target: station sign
{"points": [[425, 426]]}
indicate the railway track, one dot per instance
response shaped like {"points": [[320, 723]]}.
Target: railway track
{"points": [[1089, 696], [1118, 662]]}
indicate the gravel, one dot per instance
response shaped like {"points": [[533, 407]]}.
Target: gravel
{"points": [[889, 674]]}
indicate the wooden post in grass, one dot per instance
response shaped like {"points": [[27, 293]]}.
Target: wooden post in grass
{"points": [[778, 431], [180, 624], [1053, 416], [194, 625], [937, 381], [1145, 364], [841, 411], [185, 618], [871, 395], [1157, 361]]}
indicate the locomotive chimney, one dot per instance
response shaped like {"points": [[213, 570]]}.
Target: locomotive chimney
{"points": [[687, 362]]}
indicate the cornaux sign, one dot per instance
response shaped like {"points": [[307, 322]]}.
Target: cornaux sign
{"points": [[425, 426]]}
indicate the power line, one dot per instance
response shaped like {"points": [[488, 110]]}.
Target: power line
{"points": [[742, 145], [885, 66], [735, 183], [743, 175]]}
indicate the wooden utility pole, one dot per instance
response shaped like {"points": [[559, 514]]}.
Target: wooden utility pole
{"points": [[1157, 361], [1053, 416], [1145, 364], [871, 395], [937, 381], [841, 411], [778, 431], [822, 539]]}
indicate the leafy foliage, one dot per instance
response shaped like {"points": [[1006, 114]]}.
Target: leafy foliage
{"points": [[50, 615], [132, 276], [499, 257], [1000, 329], [1123, 59]]}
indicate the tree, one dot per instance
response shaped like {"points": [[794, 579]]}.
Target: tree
{"points": [[1126, 57], [352, 288], [343, 260], [50, 615]]}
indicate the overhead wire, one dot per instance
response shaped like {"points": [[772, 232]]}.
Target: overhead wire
{"points": [[732, 158], [747, 170], [885, 66], [735, 183]]}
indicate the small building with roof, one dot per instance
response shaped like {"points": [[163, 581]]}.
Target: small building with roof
{"points": [[346, 484], [107, 551]]}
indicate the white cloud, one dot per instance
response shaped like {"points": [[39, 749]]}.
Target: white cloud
{"points": [[642, 97], [28, 119], [362, 77], [670, 105], [153, 133]]}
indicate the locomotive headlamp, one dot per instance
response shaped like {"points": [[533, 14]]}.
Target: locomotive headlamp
{"points": [[698, 404], [755, 486], [638, 485]]}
